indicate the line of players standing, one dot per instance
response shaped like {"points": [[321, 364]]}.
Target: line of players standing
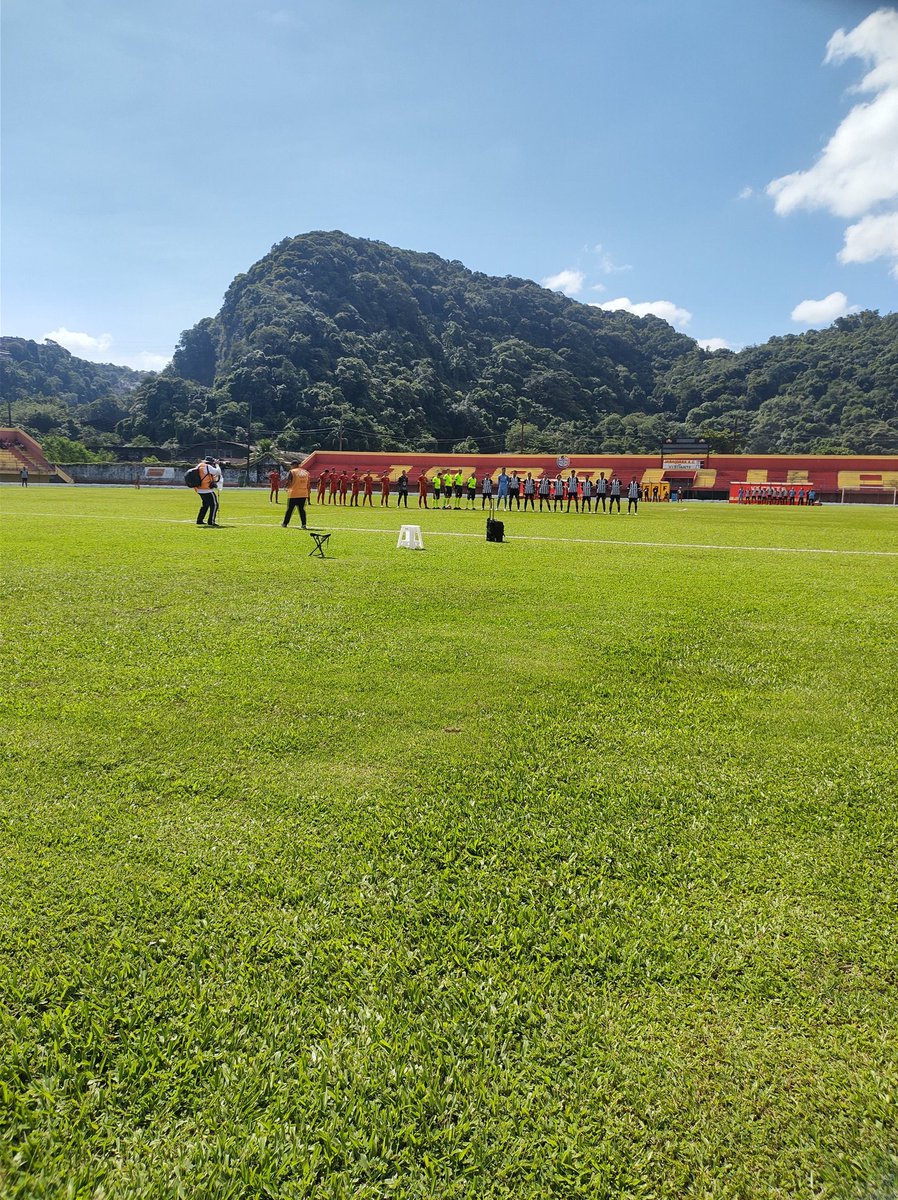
{"points": [[768, 494], [506, 491]]}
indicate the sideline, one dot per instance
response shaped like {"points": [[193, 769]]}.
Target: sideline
{"points": [[450, 533]]}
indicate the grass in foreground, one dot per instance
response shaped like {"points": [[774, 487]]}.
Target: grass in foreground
{"points": [[542, 869]]}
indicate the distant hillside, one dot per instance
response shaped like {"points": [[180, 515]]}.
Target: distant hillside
{"points": [[335, 340], [50, 391]]}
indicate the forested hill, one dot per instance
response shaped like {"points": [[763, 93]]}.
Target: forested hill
{"points": [[407, 349], [335, 335], [47, 390], [331, 338]]}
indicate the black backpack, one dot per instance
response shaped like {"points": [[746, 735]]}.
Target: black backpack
{"points": [[193, 477]]}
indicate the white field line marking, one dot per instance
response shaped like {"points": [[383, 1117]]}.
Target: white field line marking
{"points": [[453, 533]]}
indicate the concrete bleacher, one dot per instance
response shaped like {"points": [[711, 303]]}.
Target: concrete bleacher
{"points": [[18, 449]]}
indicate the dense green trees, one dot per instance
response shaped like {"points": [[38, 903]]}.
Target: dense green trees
{"points": [[333, 340]]}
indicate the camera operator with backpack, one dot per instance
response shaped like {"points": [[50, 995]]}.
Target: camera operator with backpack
{"points": [[208, 475]]}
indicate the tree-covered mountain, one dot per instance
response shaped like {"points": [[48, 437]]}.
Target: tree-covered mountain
{"points": [[48, 391], [333, 340]]}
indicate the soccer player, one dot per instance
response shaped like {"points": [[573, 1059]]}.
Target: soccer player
{"points": [[486, 490], [334, 488], [459, 482], [502, 490], [323, 480], [545, 492], [402, 491], [274, 486], [422, 490], [529, 490], [385, 490], [633, 496], [436, 488], [586, 494], [514, 490], [559, 492], [601, 490], [573, 492], [368, 481], [448, 481], [354, 484], [615, 494], [344, 486]]}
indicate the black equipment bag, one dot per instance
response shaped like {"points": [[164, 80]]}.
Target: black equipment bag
{"points": [[495, 530], [193, 478]]}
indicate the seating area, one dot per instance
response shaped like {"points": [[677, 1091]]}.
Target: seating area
{"points": [[17, 450]]}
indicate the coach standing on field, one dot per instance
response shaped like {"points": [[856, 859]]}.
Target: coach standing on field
{"points": [[299, 487], [210, 480]]}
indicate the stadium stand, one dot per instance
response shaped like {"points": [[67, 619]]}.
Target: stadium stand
{"points": [[18, 449]]}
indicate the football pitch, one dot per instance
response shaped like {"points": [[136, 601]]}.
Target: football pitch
{"points": [[566, 867]]}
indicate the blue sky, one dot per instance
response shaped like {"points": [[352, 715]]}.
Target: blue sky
{"points": [[730, 166]]}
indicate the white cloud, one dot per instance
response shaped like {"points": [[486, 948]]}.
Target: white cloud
{"points": [[714, 344], [606, 263], [665, 309], [568, 281], [822, 312], [857, 172], [99, 349], [746, 193], [872, 237], [147, 361], [84, 345]]}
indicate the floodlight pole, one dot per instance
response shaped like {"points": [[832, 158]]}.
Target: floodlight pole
{"points": [[249, 435]]}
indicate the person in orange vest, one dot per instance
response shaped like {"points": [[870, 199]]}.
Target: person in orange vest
{"points": [[299, 487]]}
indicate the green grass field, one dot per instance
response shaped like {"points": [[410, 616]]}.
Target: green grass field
{"points": [[557, 868]]}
